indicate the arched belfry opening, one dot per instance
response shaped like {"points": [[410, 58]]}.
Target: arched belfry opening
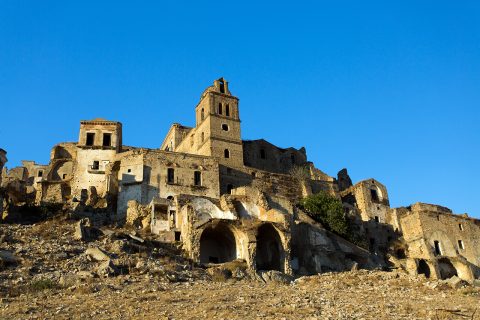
{"points": [[423, 268], [270, 254], [217, 245]]}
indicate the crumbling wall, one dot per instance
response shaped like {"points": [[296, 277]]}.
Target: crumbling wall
{"points": [[263, 155], [143, 175], [434, 234]]}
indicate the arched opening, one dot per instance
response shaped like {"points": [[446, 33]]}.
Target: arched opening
{"points": [[220, 108], [226, 153], [269, 254], [202, 115], [225, 127], [446, 268], [217, 245], [227, 110], [423, 268]]}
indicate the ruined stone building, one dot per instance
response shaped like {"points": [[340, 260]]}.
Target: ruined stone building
{"points": [[225, 198]]}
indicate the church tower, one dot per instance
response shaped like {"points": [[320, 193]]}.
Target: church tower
{"points": [[218, 125]]}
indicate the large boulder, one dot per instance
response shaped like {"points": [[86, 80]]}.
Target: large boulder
{"points": [[97, 254], [275, 276], [107, 269], [137, 215]]}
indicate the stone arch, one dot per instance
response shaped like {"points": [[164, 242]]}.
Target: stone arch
{"points": [[220, 242], [446, 268], [270, 254], [423, 268], [60, 152], [62, 170]]}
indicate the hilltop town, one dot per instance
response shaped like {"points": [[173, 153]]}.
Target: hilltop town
{"points": [[211, 206]]}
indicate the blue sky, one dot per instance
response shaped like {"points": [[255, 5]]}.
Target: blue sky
{"points": [[388, 89]]}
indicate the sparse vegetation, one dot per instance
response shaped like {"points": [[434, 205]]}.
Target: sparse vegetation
{"points": [[43, 284], [327, 210]]}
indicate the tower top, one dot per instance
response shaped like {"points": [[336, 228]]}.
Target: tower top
{"points": [[219, 86]]}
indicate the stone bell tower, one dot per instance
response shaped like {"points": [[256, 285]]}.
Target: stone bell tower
{"points": [[218, 125]]}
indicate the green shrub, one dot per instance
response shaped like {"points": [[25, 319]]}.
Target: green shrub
{"points": [[43, 284], [327, 210]]}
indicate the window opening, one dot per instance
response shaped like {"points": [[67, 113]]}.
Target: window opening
{"points": [[170, 175], [107, 139], [438, 250], [198, 178], [90, 139]]}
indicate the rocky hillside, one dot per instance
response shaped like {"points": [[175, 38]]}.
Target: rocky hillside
{"points": [[65, 269]]}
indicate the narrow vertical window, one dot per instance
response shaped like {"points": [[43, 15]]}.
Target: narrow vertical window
{"points": [[227, 110], [438, 250], [170, 175], [226, 153], [460, 245], [197, 178], [90, 139], [40, 173], [202, 114], [203, 136], [107, 139], [460, 226], [219, 108]]}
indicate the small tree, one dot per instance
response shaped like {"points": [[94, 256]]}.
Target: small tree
{"points": [[327, 210]]}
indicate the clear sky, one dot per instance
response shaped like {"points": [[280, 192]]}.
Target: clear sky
{"points": [[388, 89]]}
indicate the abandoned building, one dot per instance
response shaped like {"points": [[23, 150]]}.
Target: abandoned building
{"points": [[225, 198]]}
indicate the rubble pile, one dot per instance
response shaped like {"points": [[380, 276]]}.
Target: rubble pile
{"points": [[118, 273]]}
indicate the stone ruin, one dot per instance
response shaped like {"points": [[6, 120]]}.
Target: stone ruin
{"points": [[223, 199]]}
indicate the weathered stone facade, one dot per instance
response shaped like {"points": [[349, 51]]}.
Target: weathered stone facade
{"points": [[225, 198]]}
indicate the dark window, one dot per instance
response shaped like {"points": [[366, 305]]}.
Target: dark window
{"points": [[95, 165], [64, 176], [203, 136], [374, 195], [219, 108], [225, 127], [198, 178], [438, 250], [177, 235], [129, 170], [263, 155], [377, 219], [460, 244], [107, 139], [227, 110], [170, 175], [460, 226], [202, 116], [229, 188], [90, 139], [226, 153], [40, 173]]}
